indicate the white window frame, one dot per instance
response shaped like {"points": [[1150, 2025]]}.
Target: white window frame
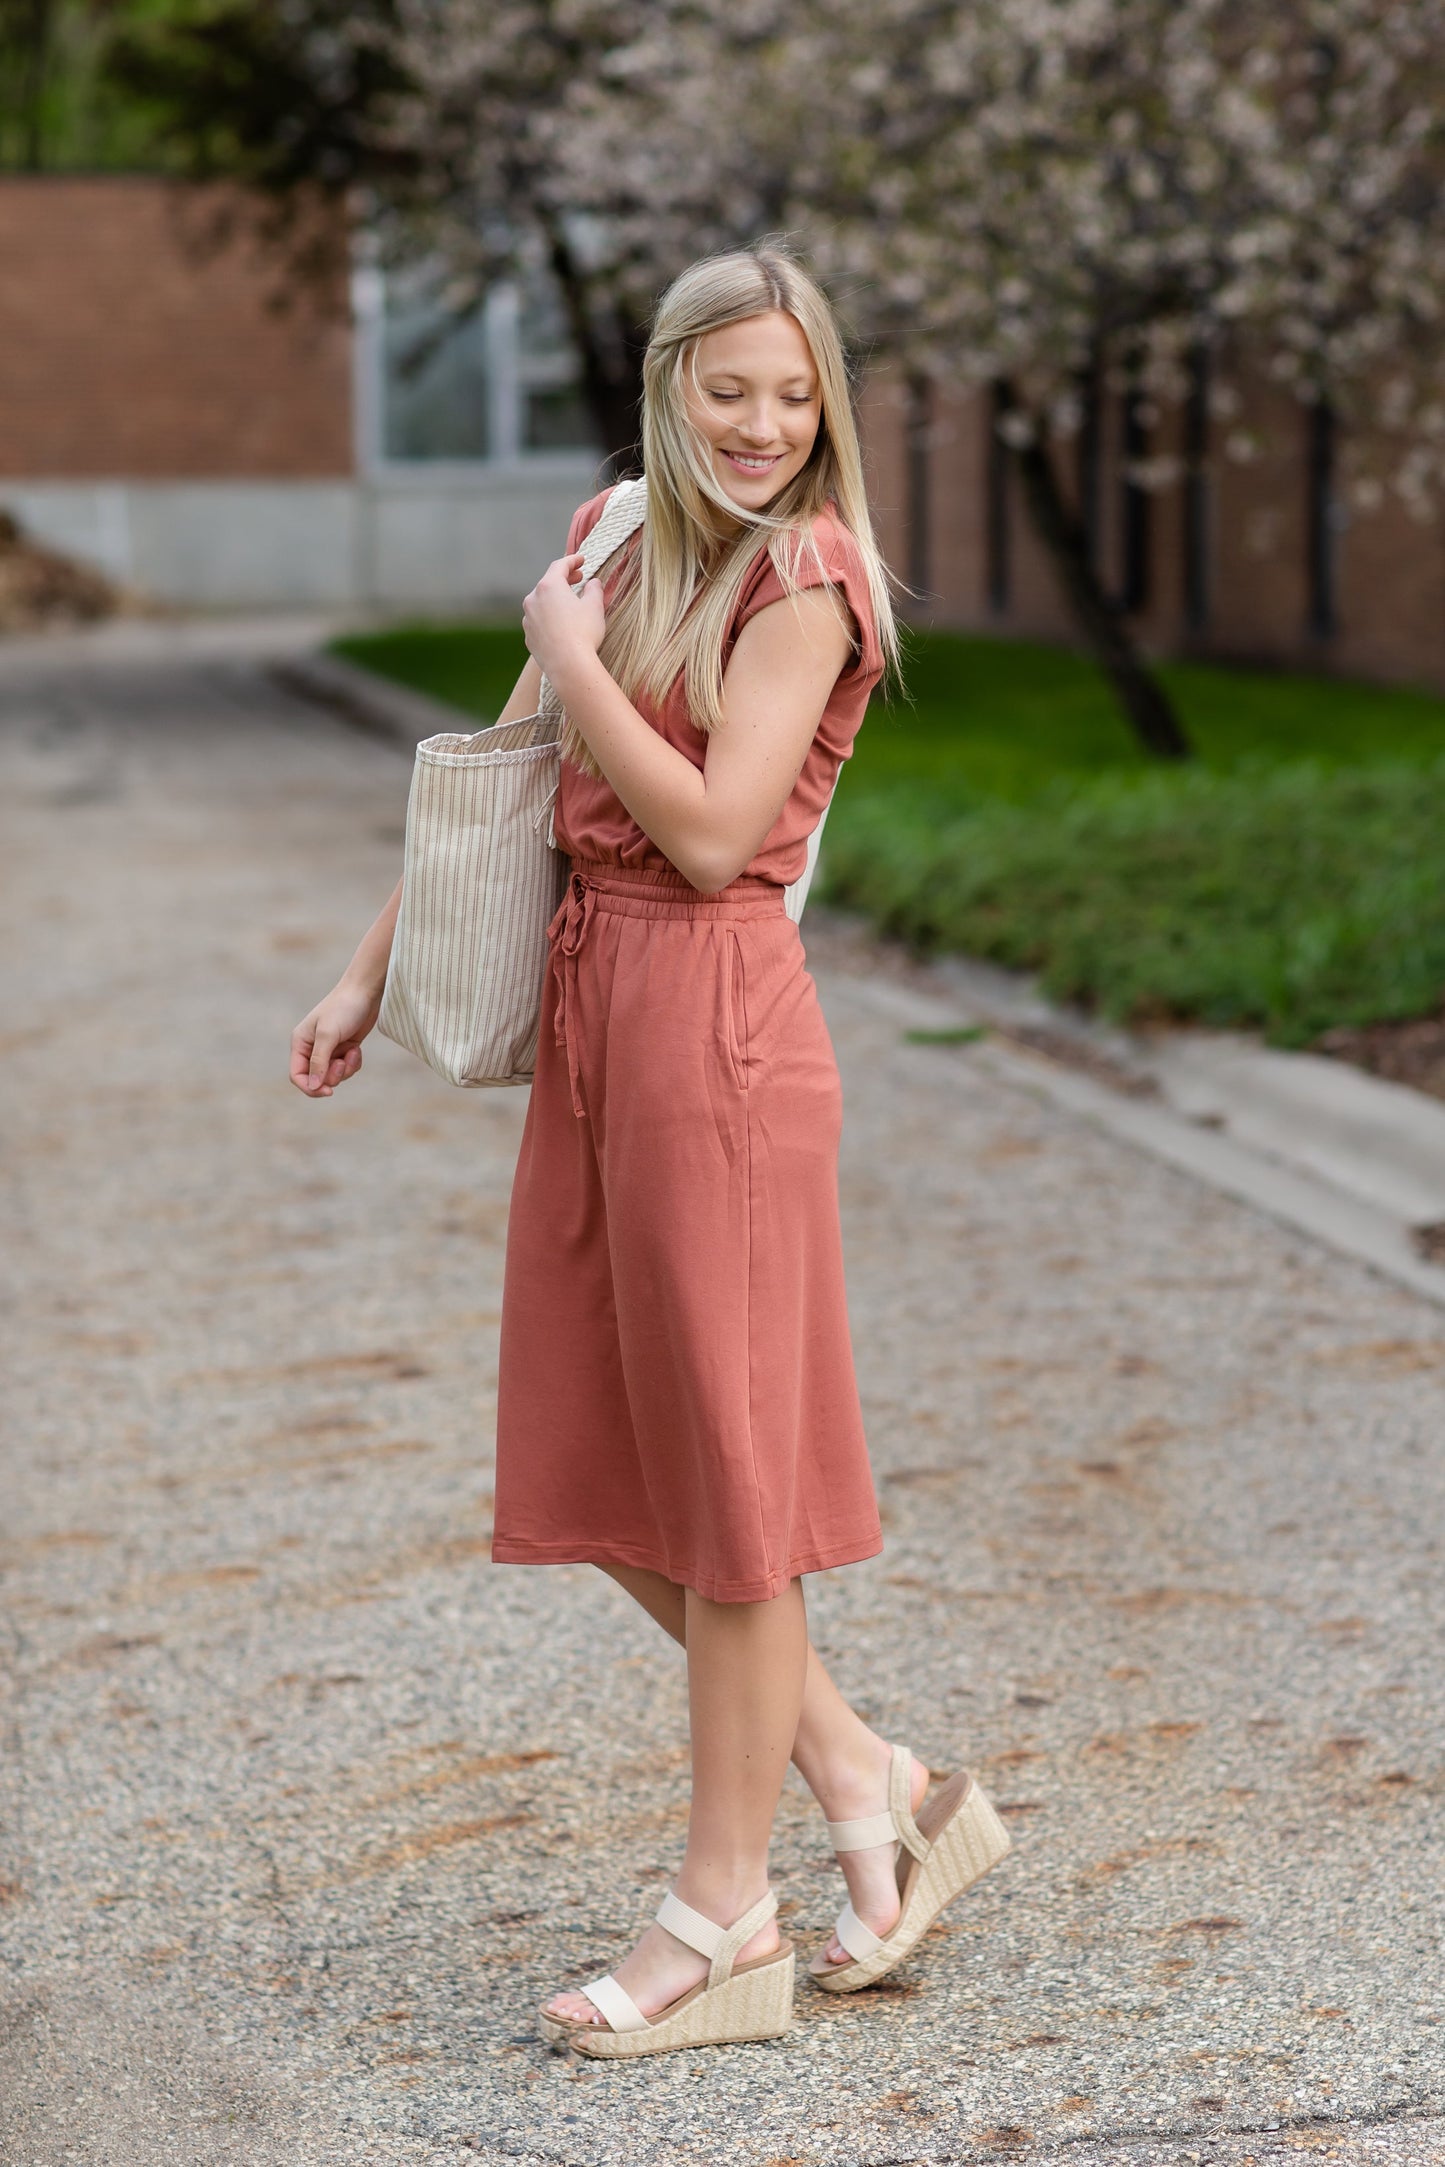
{"points": [[510, 376]]}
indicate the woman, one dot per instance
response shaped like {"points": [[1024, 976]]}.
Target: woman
{"points": [[676, 1396]]}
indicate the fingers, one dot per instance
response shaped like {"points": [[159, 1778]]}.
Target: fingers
{"points": [[301, 1043], [319, 1060], [539, 625], [562, 571], [323, 1047]]}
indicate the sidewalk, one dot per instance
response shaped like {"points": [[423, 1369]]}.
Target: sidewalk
{"points": [[307, 1804]]}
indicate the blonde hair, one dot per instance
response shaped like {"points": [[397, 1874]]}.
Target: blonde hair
{"points": [[679, 590]]}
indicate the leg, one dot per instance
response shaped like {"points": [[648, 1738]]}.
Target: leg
{"points": [[746, 1666], [842, 1761], [663, 1600], [845, 1766]]}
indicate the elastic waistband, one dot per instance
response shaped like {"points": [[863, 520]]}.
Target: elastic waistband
{"points": [[646, 891]]}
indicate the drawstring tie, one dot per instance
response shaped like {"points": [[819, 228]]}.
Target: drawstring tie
{"points": [[566, 934]]}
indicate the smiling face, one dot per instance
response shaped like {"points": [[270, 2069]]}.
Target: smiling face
{"points": [[752, 392]]}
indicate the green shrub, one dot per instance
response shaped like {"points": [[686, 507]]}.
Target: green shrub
{"points": [[1291, 898]]}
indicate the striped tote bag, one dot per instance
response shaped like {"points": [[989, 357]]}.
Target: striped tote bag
{"points": [[482, 877]]}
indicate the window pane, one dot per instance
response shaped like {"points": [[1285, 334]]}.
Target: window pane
{"points": [[558, 420], [499, 385], [554, 414], [434, 402], [543, 328]]}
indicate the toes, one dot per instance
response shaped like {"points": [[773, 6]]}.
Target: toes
{"points": [[571, 2009]]}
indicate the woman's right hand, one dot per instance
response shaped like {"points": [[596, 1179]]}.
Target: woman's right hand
{"points": [[326, 1045]]}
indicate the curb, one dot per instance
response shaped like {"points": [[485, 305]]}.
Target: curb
{"points": [[1378, 1141], [1292, 1194], [373, 703]]}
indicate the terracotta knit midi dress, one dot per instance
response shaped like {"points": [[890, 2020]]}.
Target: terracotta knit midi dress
{"points": [[676, 1385]]}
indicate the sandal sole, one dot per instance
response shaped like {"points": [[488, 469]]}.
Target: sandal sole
{"points": [[752, 2004]]}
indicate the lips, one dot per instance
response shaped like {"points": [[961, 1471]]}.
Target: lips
{"points": [[746, 464]]}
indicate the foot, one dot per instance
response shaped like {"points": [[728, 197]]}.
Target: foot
{"points": [[661, 1968], [871, 1875]]}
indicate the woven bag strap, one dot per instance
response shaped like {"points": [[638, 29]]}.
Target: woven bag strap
{"points": [[620, 518]]}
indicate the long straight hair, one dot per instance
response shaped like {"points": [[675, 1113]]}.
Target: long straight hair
{"points": [[678, 591]]}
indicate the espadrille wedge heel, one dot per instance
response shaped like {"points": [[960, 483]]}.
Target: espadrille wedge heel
{"points": [[954, 1841], [751, 2000]]}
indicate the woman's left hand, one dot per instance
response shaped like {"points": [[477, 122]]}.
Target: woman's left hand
{"points": [[562, 623]]}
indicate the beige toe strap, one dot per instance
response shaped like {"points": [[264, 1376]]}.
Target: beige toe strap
{"points": [[719, 1944], [616, 2004]]}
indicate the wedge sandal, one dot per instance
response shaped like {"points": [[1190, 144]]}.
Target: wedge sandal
{"points": [[954, 1841], [752, 2000]]}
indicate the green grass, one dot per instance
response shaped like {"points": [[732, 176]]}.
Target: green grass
{"points": [[473, 667], [1292, 878], [1291, 898], [1001, 718], [988, 718]]}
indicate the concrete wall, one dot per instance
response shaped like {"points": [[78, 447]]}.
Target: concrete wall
{"points": [[453, 540]]}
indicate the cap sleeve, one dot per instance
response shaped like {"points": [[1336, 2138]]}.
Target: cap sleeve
{"points": [[841, 568]]}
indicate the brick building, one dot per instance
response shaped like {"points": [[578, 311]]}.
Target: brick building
{"points": [[1259, 562], [161, 416]]}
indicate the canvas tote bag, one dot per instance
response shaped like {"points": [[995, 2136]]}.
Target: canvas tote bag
{"points": [[481, 880], [482, 877]]}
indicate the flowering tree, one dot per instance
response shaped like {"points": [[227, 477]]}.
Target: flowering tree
{"points": [[1060, 192], [1035, 195], [613, 143]]}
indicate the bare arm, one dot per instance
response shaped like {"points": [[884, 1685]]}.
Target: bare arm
{"points": [[709, 822], [525, 694], [326, 1044]]}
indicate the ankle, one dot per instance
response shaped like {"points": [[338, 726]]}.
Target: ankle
{"points": [[847, 1783], [721, 1892]]}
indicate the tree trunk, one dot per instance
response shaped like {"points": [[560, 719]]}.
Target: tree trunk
{"points": [[611, 368], [1146, 706], [918, 454]]}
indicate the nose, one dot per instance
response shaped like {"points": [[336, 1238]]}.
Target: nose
{"points": [[759, 424]]}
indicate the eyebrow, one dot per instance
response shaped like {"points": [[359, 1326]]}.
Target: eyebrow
{"points": [[737, 376]]}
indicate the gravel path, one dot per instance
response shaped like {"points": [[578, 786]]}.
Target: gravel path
{"points": [[306, 1804]]}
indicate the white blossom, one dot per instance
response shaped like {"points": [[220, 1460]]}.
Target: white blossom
{"points": [[1036, 189]]}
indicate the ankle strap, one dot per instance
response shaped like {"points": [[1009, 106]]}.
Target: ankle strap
{"points": [[897, 1825], [719, 1944], [861, 1834], [900, 1787]]}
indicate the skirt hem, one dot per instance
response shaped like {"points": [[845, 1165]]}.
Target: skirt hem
{"points": [[511, 1551]]}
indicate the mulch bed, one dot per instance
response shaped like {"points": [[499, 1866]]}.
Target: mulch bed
{"points": [[40, 590], [1403, 1053]]}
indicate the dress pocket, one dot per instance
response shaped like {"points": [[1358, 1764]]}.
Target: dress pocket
{"points": [[735, 1006]]}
